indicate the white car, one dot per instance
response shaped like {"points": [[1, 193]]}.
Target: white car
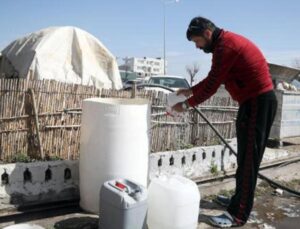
{"points": [[168, 81]]}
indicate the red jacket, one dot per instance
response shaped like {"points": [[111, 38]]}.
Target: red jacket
{"points": [[237, 63]]}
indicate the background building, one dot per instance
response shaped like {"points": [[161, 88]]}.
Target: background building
{"points": [[143, 67]]}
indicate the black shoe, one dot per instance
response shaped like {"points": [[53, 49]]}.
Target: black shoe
{"points": [[222, 200]]}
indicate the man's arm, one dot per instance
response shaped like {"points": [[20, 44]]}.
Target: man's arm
{"points": [[223, 60]]}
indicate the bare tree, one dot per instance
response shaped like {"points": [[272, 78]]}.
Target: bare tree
{"points": [[192, 70]]}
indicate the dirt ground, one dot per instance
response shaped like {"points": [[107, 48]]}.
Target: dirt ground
{"points": [[271, 209]]}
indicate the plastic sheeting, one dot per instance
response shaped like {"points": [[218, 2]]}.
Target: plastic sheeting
{"points": [[66, 54]]}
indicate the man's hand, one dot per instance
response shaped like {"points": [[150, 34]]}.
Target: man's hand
{"points": [[185, 92], [178, 107]]}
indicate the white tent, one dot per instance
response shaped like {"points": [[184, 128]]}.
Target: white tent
{"points": [[66, 54]]}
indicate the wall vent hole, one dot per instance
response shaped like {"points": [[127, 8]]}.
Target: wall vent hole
{"points": [[48, 175], [4, 178], [194, 157], [214, 154], [68, 174], [223, 152], [159, 162], [203, 155], [172, 160], [183, 160], [27, 176]]}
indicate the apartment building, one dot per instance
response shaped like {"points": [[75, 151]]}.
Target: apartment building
{"points": [[145, 66]]}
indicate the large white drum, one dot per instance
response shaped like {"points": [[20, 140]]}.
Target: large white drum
{"points": [[114, 144]]}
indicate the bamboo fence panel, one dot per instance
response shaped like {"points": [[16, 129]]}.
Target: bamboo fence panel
{"points": [[59, 110]]}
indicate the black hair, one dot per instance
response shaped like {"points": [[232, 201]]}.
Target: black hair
{"points": [[197, 27]]}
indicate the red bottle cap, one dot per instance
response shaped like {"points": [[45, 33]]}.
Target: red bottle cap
{"points": [[120, 185]]}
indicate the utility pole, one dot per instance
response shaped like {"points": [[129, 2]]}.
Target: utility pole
{"points": [[165, 2]]}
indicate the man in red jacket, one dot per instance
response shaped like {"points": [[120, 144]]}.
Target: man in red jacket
{"points": [[241, 67]]}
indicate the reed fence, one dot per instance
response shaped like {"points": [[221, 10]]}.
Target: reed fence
{"points": [[42, 118]]}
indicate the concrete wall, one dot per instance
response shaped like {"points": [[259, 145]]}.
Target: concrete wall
{"points": [[193, 163], [26, 183], [196, 163]]}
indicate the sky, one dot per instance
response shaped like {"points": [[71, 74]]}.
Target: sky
{"points": [[134, 28]]}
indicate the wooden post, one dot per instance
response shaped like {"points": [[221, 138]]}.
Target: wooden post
{"points": [[194, 127], [133, 91], [31, 110]]}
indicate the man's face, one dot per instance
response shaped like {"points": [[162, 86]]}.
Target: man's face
{"points": [[203, 42]]}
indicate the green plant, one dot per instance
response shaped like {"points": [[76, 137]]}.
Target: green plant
{"points": [[184, 145], [54, 158], [20, 157], [214, 168], [215, 141]]}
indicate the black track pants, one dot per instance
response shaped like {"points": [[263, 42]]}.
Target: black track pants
{"points": [[253, 124]]}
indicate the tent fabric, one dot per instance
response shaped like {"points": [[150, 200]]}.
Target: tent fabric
{"points": [[66, 54]]}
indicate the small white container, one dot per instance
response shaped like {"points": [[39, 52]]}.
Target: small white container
{"points": [[173, 203]]}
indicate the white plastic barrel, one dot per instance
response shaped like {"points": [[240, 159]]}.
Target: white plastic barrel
{"points": [[173, 203], [114, 144]]}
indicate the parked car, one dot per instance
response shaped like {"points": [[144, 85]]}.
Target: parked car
{"points": [[168, 81]]}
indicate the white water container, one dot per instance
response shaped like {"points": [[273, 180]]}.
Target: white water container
{"points": [[114, 144], [173, 203]]}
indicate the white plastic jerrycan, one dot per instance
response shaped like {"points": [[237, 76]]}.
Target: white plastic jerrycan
{"points": [[173, 203]]}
